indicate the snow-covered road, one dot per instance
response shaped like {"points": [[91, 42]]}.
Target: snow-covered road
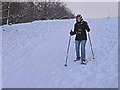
{"points": [[33, 55]]}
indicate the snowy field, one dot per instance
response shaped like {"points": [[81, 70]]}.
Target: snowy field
{"points": [[33, 55]]}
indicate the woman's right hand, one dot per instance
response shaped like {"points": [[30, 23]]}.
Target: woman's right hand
{"points": [[71, 33]]}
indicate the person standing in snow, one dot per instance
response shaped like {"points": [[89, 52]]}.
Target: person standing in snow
{"points": [[80, 29]]}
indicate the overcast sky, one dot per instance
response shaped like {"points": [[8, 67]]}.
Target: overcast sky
{"points": [[94, 9]]}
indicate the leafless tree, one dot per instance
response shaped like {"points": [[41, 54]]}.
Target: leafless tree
{"points": [[20, 12]]}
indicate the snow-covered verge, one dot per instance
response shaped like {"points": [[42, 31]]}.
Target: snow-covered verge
{"points": [[33, 55], [0, 58]]}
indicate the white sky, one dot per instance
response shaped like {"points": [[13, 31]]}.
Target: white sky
{"points": [[94, 9]]}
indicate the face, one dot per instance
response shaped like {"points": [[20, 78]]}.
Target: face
{"points": [[78, 19]]}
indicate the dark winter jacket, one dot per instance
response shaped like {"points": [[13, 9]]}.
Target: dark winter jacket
{"points": [[80, 30]]}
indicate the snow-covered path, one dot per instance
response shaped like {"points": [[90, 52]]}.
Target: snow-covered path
{"points": [[34, 55]]}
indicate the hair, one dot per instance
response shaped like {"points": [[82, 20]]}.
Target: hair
{"points": [[79, 16]]}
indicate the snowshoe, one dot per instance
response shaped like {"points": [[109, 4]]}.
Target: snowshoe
{"points": [[77, 59], [84, 62]]}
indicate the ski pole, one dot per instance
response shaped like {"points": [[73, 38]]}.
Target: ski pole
{"points": [[67, 51], [91, 46]]}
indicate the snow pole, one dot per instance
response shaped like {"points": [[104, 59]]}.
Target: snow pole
{"points": [[91, 45], [67, 51]]}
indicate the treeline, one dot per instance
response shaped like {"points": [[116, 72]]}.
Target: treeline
{"points": [[21, 12]]}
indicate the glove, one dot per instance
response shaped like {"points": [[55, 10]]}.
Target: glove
{"points": [[71, 33], [88, 30]]}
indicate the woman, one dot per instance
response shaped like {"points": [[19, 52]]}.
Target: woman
{"points": [[80, 28]]}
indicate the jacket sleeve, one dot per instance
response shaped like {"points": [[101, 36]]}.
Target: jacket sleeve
{"points": [[74, 29], [87, 27]]}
